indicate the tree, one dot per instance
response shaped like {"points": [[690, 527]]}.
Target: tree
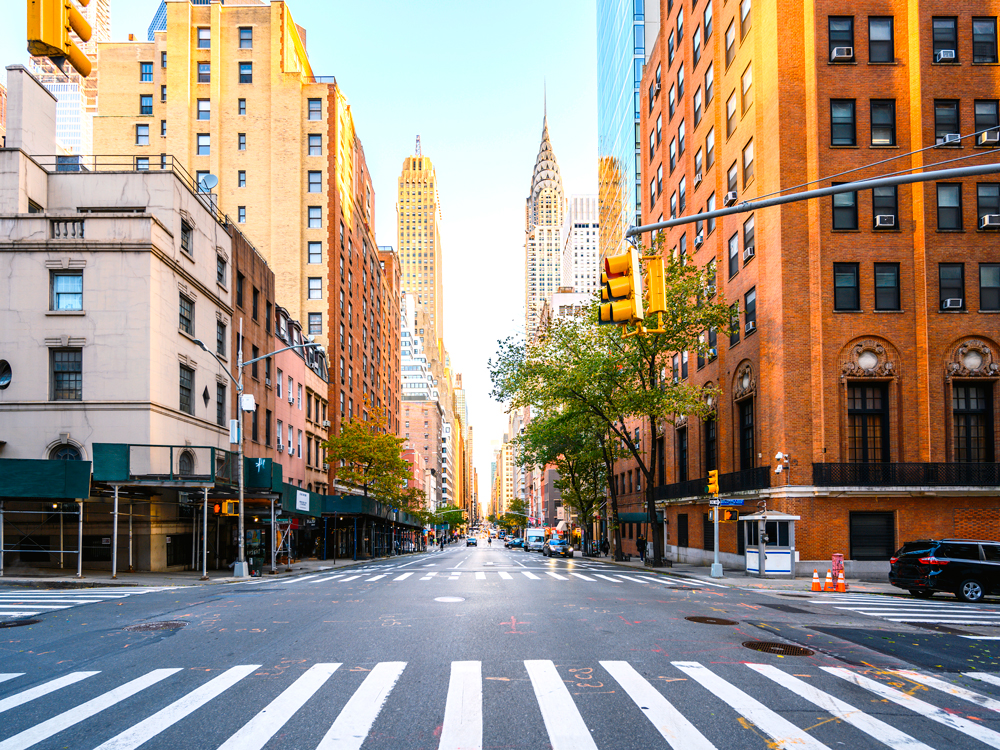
{"points": [[450, 515], [515, 516], [616, 376]]}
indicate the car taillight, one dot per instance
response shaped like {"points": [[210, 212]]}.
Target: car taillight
{"points": [[892, 560], [932, 561]]}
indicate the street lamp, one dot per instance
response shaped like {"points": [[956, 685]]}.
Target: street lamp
{"points": [[241, 570]]}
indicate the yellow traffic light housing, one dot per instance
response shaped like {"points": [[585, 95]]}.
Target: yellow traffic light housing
{"points": [[713, 483], [49, 25], [621, 289], [656, 292], [727, 515]]}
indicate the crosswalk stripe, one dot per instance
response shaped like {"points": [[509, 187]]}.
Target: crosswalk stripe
{"points": [[607, 578], [56, 724], [403, 577], [355, 720], [349, 578], [783, 732], [5, 607], [163, 719], [560, 714], [330, 578], [669, 722], [984, 735], [262, 727], [376, 578], [504, 575], [480, 576], [636, 580], [302, 578], [44, 689], [581, 575], [947, 687], [699, 582], [21, 613], [844, 711], [529, 574], [556, 576], [992, 679], [429, 575], [463, 712], [35, 600], [4, 676]]}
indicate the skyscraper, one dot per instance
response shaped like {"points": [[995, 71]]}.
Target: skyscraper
{"points": [[543, 218], [580, 245]]}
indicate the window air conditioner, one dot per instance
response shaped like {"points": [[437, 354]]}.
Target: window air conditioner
{"points": [[990, 221], [747, 253], [326, 424], [730, 198], [949, 138], [842, 53], [281, 446], [267, 381], [291, 398], [989, 138], [750, 327], [656, 89], [291, 449], [884, 220], [953, 303], [944, 54], [699, 239], [326, 466], [697, 179]]}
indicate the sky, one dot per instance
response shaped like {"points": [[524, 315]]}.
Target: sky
{"points": [[468, 77]]}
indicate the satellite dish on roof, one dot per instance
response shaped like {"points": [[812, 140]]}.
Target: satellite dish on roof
{"points": [[206, 183]]}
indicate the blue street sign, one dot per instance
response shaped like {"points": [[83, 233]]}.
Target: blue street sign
{"points": [[730, 501]]}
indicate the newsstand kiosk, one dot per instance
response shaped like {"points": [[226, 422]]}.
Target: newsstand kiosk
{"points": [[770, 536]]}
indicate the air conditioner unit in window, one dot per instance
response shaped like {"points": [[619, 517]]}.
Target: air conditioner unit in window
{"points": [[949, 138], [697, 179], [747, 253], [656, 89], [989, 138], [750, 327], [952, 303], [291, 399], [885, 220], [730, 198], [842, 53], [267, 381], [944, 54], [990, 221], [281, 446], [326, 424], [291, 449], [699, 239], [326, 466]]}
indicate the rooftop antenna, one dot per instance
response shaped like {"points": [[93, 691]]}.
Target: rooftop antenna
{"points": [[545, 100], [418, 146]]}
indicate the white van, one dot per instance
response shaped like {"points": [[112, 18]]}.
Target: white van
{"points": [[534, 539]]}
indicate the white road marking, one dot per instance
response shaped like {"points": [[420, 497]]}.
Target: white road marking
{"points": [[505, 575], [581, 575], [349, 578], [357, 717], [376, 578], [556, 576], [403, 577], [463, 712], [302, 578], [330, 578], [561, 716], [429, 575], [530, 575], [480, 576], [607, 578], [4, 676], [947, 687], [992, 679], [44, 689]]}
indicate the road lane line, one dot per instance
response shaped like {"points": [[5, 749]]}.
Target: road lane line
{"points": [[44, 689], [947, 687], [357, 717], [480, 576], [607, 578], [505, 575], [41, 732], [984, 735], [783, 732], [871, 726], [255, 733], [163, 719], [581, 575], [556, 576], [992, 679], [679, 733], [530, 575], [560, 714], [463, 711], [403, 577]]}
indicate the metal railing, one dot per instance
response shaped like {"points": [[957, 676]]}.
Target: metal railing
{"points": [[758, 478], [907, 475]]}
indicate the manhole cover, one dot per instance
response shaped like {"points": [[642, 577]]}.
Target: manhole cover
{"points": [[712, 621], [780, 649], [144, 627], [449, 599], [18, 623]]}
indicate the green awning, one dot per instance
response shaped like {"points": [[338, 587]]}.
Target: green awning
{"points": [[48, 479], [639, 517]]}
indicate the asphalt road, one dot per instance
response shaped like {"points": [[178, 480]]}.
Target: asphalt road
{"points": [[481, 647]]}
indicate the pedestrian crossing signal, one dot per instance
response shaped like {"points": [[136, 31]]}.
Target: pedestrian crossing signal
{"points": [[226, 508], [726, 515], [713, 483], [621, 289]]}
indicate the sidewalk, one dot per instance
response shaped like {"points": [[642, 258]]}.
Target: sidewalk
{"points": [[45, 578]]}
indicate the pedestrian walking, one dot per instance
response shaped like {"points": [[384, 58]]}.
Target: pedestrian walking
{"points": [[640, 543], [605, 547]]}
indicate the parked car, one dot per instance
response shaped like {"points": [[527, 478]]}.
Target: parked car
{"points": [[968, 568], [514, 542], [557, 547], [470, 541]]}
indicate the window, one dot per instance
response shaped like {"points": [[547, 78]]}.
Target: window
{"points": [[204, 109], [254, 356], [748, 234], [145, 72], [659, 179], [67, 290], [710, 148], [163, 96], [699, 165], [746, 84], [747, 163], [680, 24], [709, 207], [315, 287], [734, 254], [672, 151], [696, 45], [241, 139], [987, 200], [671, 101], [246, 72], [845, 210], [951, 282], [867, 423], [315, 109], [885, 203], [220, 338], [989, 286], [949, 205], [241, 178], [315, 217], [659, 129], [187, 390], [945, 34], [682, 198], [984, 39], [841, 32], [987, 118], [883, 122], [163, 59], [745, 19], [673, 205], [946, 120], [163, 133], [652, 144], [315, 252], [220, 404], [241, 105], [846, 292], [186, 322], [709, 83], [708, 21], [204, 38], [241, 214], [267, 329], [670, 49], [220, 269], [681, 141], [682, 454], [204, 72], [747, 455], [684, 365], [315, 323], [652, 192], [315, 182], [730, 43], [315, 145], [880, 42], [842, 130], [204, 144], [680, 81], [186, 238], [142, 135], [972, 411], [66, 374], [240, 279], [256, 303], [697, 107], [246, 37], [734, 324], [887, 286], [145, 104], [731, 114], [750, 311]]}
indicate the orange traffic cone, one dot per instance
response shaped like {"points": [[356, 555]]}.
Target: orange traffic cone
{"points": [[816, 584], [828, 586], [841, 583]]}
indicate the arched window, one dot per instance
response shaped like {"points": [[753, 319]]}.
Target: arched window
{"points": [[185, 464], [66, 453]]}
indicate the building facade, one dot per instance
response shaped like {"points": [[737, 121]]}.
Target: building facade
{"points": [[581, 252], [864, 326]]}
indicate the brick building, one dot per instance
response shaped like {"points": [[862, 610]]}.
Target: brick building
{"points": [[865, 342]]}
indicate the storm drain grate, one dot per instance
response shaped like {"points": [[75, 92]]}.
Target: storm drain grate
{"points": [[144, 627], [779, 649], [711, 621], [18, 623]]}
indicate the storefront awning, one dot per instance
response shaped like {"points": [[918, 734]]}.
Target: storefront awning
{"points": [[639, 517]]}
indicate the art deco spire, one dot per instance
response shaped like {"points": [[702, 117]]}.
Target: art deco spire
{"points": [[546, 175]]}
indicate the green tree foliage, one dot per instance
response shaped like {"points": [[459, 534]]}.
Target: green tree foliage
{"points": [[515, 517], [451, 515]]}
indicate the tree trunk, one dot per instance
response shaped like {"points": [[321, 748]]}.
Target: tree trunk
{"points": [[654, 527], [613, 524]]}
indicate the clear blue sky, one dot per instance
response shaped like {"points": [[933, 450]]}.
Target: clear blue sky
{"points": [[468, 77]]}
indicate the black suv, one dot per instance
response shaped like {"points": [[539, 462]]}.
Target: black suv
{"points": [[968, 568]]}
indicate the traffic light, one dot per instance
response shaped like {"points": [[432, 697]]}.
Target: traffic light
{"points": [[49, 26], [713, 483], [656, 292], [727, 515], [621, 289]]}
